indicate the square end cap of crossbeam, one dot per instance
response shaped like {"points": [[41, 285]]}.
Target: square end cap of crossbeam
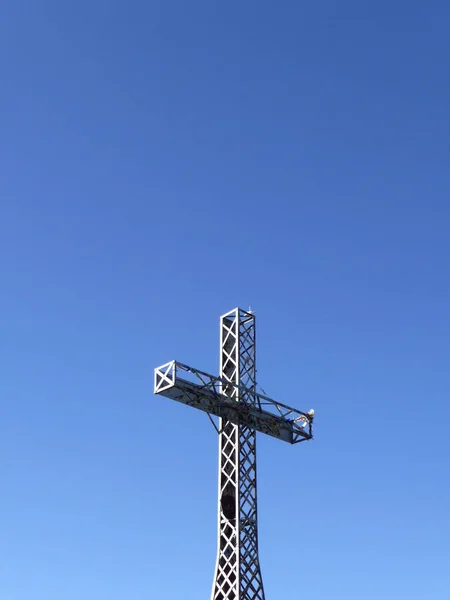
{"points": [[165, 377]]}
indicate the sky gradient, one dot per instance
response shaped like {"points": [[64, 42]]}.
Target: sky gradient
{"points": [[160, 164]]}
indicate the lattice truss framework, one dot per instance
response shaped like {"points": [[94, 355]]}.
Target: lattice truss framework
{"points": [[203, 391], [242, 411], [238, 574]]}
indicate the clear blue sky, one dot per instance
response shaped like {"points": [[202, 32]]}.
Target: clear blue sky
{"points": [[161, 164]]}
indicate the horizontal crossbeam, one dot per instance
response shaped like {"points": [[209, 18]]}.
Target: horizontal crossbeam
{"points": [[257, 411]]}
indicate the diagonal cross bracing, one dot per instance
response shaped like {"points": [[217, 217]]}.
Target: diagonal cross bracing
{"points": [[237, 574]]}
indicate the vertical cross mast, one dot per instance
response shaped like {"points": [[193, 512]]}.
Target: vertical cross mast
{"points": [[237, 575]]}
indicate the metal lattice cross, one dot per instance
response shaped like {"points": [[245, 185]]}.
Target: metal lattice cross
{"points": [[242, 411]]}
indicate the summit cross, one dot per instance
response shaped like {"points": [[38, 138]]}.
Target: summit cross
{"points": [[242, 411]]}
